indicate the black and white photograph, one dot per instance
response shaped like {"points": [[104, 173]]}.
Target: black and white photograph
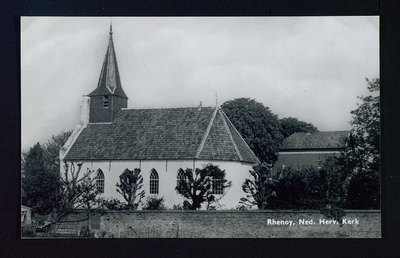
{"points": [[200, 127]]}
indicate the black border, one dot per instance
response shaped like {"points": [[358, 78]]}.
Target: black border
{"points": [[11, 245]]}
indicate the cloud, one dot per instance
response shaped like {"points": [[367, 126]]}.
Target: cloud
{"points": [[312, 68]]}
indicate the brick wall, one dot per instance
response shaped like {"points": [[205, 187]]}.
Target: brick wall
{"points": [[100, 114], [238, 224]]}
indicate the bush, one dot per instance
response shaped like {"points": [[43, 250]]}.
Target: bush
{"points": [[154, 203], [185, 206], [241, 208], [113, 204]]}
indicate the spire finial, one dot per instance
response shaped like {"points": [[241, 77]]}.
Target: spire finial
{"points": [[216, 99], [111, 27]]}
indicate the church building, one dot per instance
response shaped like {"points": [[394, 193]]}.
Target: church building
{"points": [[161, 142]]}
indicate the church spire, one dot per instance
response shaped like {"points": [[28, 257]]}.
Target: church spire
{"points": [[108, 98], [109, 81]]}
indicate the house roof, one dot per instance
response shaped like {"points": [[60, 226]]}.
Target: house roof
{"points": [[314, 141], [109, 81], [159, 134], [300, 160]]}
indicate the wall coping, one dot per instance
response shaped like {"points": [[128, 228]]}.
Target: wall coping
{"points": [[226, 211]]}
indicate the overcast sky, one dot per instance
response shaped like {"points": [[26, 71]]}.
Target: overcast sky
{"points": [[311, 68]]}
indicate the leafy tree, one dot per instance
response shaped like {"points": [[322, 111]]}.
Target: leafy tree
{"points": [[297, 188], [130, 182], [293, 125], [198, 186], [260, 188], [39, 184], [154, 203], [361, 158], [40, 169], [259, 127], [52, 150], [310, 187]]}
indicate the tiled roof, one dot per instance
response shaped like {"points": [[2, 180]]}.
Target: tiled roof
{"points": [[301, 160], [159, 134], [316, 140]]}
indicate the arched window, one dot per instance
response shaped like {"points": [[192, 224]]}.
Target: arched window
{"points": [[180, 177], [153, 182], [99, 181]]}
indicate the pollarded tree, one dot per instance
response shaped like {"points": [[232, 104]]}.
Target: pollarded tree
{"points": [[361, 158], [130, 182], [261, 188], [201, 185], [258, 126]]}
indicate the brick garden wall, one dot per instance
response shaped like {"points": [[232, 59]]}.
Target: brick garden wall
{"points": [[238, 224]]}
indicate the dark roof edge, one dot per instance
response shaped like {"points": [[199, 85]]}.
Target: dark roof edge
{"points": [[312, 149], [187, 159]]}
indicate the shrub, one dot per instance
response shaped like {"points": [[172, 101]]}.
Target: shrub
{"points": [[241, 208], [154, 203], [185, 206], [113, 204]]}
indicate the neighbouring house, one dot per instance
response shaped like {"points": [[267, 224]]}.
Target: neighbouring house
{"points": [[310, 149], [161, 142]]}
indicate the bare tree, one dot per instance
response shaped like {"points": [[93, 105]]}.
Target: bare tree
{"points": [[77, 191]]}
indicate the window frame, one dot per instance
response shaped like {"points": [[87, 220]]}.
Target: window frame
{"points": [[217, 186], [180, 177], [100, 181], [154, 183]]}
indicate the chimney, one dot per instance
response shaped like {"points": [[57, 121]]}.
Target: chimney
{"points": [[85, 111]]}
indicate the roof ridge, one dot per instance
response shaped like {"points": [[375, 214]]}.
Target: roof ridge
{"points": [[231, 136], [149, 108], [237, 132], [203, 140]]}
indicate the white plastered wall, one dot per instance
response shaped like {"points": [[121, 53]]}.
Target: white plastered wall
{"points": [[167, 171]]}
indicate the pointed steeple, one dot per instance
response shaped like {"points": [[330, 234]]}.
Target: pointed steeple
{"points": [[109, 81], [108, 98]]}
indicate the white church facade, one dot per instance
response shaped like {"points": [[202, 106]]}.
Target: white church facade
{"points": [[160, 142]]}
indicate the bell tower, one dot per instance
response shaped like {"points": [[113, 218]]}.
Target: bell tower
{"points": [[109, 97]]}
